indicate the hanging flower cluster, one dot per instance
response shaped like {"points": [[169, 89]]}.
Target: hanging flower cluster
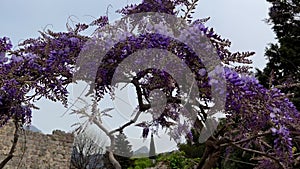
{"points": [[44, 67], [39, 68]]}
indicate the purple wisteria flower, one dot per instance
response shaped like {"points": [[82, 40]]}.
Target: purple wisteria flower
{"points": [[5, 44], [45, 66]]}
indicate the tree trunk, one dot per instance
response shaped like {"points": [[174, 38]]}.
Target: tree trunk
{"points": [[211, 161], [113, 160], [210, 156], [111, 156]]}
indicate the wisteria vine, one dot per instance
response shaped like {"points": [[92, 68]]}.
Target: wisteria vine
{"points": [[44, 67]]}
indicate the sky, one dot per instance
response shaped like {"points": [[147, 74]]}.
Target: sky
{"points": [[240, 21]]}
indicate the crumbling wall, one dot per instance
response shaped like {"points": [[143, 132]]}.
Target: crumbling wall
{"points": [[36, 150]]}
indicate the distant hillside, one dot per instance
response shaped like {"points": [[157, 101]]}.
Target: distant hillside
{"points": [[32, 128], [141, 152]]}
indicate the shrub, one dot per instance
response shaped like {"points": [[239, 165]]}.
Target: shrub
{"points": [[141, 163], [178, 160]]}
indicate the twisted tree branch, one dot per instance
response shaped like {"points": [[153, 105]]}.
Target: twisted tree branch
{"points": [[14, 145]]}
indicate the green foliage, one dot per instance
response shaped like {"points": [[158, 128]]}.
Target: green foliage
{"points": [[282, 69], [192, 149], [123, 150], [141, 163], [177, 160]]}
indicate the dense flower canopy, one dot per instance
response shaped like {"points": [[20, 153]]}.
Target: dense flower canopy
{"points": [[43, 67]]}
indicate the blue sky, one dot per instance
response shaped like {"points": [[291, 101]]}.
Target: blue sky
{"points": [[240, 21]]}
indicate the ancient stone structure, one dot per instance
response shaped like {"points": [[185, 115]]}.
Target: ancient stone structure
{"points": [[36, 150]]}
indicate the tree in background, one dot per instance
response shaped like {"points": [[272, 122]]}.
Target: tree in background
{"points": [[123, 150], [88, 152], [283, 67]]}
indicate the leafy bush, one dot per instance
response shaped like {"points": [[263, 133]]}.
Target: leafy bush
{"points": [[192, 149], [177, 160], [141, 163]]}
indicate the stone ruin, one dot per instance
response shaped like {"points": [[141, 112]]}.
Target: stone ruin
{"points": [[37, 150]]}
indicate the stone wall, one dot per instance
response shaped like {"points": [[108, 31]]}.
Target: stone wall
{"points": [[36, 150]]}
